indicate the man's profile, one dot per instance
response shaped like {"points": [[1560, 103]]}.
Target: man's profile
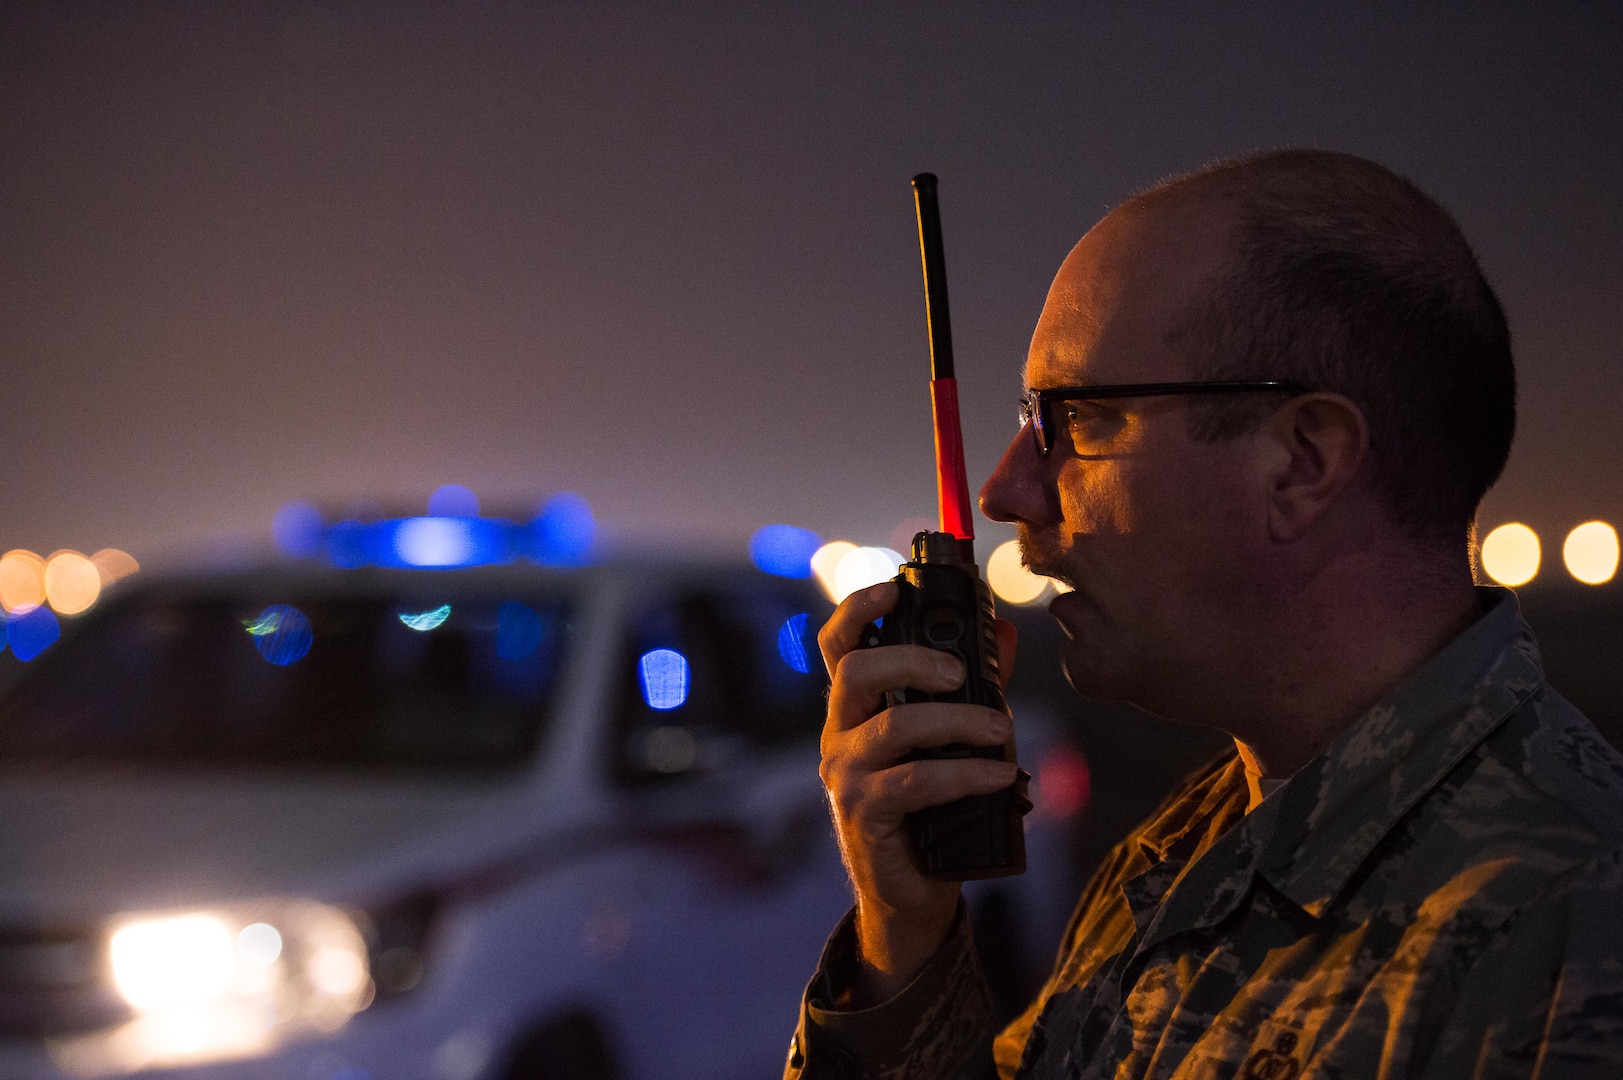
{"points": [[1412, 862]]}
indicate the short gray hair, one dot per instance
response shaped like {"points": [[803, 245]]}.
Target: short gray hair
{"points": [[1346, 277]]}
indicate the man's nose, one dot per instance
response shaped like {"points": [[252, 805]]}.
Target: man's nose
{"points": [[1019, 489]]}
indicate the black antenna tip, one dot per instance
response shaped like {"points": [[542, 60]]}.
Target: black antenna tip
{"points": [[924, 179]]}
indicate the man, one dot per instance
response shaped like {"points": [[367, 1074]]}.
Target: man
{"points": [[1411, 863]]}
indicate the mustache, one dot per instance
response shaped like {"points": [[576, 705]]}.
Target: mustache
{"points": [[1041, 553]]}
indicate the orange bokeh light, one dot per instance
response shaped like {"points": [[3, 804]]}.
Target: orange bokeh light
{"points": [[72, 582], [22, 580], [113, 564], [1591, 553], [1510, 554], [1010, 579]]}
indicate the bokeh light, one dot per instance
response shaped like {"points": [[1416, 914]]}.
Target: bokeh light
{"points": [[31, 632], [22, 581], [663, 674], [1510, 554], [259, 944], [520, 630], [423, 621], [864, 567], [173, 961], [282, 634], [433, 541], [299, 529], [1591, 553], [349, 544], [1010, 579], [335, 970], [792, 642], [826, 560], [1062, 785], [113, 565], [453, 500], [784, 550], [564, 531], [437, 542], [72, 582]]}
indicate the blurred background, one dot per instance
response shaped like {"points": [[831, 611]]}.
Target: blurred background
{"points": [[630, 282], [665, 256]]}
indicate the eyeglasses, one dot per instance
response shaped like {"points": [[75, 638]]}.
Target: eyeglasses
{"points": [[1037, 407]]}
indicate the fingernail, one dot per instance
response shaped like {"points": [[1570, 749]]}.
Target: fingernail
{"points": [[951, 668], [1000, 727]]}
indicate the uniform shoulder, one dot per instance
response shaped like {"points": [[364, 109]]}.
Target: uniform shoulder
{"points": [[1560, 754]]}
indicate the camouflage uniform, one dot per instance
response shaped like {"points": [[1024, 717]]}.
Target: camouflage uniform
{"points": [[1440, 893]]}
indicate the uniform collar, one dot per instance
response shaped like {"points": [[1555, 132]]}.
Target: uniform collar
{"points": [[1313, 834], [1217, 799]]}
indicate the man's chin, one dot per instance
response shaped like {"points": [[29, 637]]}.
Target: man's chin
{"points": [[1082, 672], [1066, 608], [1084, 660]]}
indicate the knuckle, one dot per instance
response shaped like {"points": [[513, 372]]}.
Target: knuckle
{"points": [[910, 779], [851, 800], [830, 627], [880, 728], [834, 766], [846, 668], [828, 643]]}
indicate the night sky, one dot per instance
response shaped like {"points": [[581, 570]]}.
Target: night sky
{"points": [[666, 256]]}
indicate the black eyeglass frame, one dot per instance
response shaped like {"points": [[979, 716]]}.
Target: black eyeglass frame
{"points": [[1037, 406]]}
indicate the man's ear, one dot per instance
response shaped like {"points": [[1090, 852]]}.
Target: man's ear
{"points": [[1318, 444]]}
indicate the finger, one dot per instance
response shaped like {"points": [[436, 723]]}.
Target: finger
{"points": [[893, 734], [1008, 636], [862, 676], [839, 635], [914, 785]]}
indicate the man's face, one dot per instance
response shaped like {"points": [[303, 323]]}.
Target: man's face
{"points": [[1157, 534]]}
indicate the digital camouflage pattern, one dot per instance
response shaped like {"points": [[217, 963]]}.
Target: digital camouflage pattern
{"points": [[1439, 894]]}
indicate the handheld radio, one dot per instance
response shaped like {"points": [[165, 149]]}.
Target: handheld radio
{"points": [[943, 604]]}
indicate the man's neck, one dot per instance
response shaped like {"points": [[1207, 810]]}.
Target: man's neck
{"points": [[1324, 677]]}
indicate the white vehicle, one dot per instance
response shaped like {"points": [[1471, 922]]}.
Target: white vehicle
{"points": [[390, 824]]}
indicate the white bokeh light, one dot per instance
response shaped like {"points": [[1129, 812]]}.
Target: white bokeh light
{"points": [[259, 944], [826, 560], [434, 541], [174, 961], [863, 567]]}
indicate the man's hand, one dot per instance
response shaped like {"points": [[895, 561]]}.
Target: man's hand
{"points": [[902, 916]]}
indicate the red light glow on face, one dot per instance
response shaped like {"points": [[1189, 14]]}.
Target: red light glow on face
{"points": [[1063, 783]]}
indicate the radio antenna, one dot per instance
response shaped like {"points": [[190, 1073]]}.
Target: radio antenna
{"points": [[951, 479]]}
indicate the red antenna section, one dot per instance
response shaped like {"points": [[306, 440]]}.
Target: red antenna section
{"points": [[952, 481]]}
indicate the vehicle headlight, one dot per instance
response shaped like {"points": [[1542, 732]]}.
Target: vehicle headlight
{"points": [[308, 960], [229, 982], [182, 960]]}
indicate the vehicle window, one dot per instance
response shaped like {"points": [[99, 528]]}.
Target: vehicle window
{"points": [[315, 680], [708, 672]]}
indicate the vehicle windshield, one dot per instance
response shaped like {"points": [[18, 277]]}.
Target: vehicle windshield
{"points": [[346, 681]]}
